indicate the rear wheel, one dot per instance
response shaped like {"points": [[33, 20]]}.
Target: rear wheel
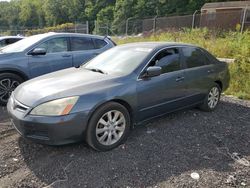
{"points": [[212, 99], [108, 127], [8, 83]]}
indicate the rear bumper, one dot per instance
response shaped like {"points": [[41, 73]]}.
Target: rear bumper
{"points": [[49, 130]]}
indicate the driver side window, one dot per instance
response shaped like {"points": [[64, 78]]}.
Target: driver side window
{"points": [[168, 60], [55, 45]]}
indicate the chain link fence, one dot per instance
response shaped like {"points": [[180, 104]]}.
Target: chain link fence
{"points": [[67, 27], [237, 20]]}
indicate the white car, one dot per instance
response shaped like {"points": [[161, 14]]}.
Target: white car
{"points": [[6, 40]]}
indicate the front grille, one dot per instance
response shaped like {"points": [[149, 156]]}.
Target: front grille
{"points": [[19, 106]]}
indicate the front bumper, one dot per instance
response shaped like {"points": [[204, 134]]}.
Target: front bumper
{"points": [[49, 130]]}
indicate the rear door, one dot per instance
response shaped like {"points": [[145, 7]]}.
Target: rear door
{"points": [[164, 93], [199, 73], [83, 49], [57, 57]]}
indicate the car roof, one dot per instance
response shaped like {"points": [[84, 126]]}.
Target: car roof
{"points": [[11, 37], [155, 45], [70, 35]]}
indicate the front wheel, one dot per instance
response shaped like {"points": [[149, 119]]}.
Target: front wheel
{"points": [[212, 99], [108, 127], [8, 83]]}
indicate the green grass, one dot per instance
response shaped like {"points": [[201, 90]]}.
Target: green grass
{"points": [[221, 44]]}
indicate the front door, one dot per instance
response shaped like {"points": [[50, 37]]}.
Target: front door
{"points": [[57, 57]]}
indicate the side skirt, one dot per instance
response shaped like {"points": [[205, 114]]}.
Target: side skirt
{"points": [[178, 109]]}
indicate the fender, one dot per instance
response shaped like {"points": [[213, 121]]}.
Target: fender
{"points": [[15, 71]]}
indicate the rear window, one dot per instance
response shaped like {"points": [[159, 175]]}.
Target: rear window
{"points": [[81, 43], [194, 57], [212, 59], [10, 41], [99, 43]]}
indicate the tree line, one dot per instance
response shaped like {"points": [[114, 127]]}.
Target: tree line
{"points": [[44, 13]]}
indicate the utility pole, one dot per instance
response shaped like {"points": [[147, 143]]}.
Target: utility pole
{"points": [[243, 20], [87, 27], [193, 21], [154, 26]]}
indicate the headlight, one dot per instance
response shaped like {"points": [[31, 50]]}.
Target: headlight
{"points": [[57, 107]]}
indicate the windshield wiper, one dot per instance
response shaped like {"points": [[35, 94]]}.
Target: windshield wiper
{"points": [[96, 70]]}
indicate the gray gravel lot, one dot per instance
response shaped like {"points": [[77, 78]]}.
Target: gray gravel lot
{"points": [[162, 153]]}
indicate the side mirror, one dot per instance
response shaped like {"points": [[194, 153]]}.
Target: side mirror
{"points": [[152, 72], [38, 51]]}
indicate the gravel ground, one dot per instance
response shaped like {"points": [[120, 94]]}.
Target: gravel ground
{"points": [[162, 153]]}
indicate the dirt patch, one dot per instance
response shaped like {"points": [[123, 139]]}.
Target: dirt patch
{"points": [[162, 153]]}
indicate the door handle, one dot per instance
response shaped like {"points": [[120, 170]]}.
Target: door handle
{"points": [[66, 55], [179, 79]]}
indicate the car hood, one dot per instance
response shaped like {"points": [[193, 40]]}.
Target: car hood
{"points": [[6, 55], [65, 83]]}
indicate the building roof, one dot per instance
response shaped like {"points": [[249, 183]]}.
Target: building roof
{"points": [[226, 5]]}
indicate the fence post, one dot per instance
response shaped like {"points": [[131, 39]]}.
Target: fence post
{"points": [[243, 20], [75, 28], [154, 26], [127, 25], [193, 21], [107, 29], [87, 27], [96, 27]]}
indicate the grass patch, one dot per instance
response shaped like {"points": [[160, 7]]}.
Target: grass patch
{"points": [[220, 44]]}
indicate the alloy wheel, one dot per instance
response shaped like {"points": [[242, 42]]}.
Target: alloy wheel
{"points": [[110, 127], [213, 97], [7, 86]]}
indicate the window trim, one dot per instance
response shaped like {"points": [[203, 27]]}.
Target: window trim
{"points": [[153, 56]]}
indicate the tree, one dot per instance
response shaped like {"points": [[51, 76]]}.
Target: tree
{"points": [[40, 13], [124, 9], [105, 18], [31, 13]]}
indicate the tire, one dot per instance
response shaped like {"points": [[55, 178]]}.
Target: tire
{"points": [[103, 134], [212, 99], [8, 83]]}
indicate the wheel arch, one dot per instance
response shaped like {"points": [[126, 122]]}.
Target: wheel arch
{"points": [[219, 83], [17, 72], [119, 101], [127, 106]]}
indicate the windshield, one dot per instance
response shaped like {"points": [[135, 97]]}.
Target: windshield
{"points": [[22, 44], [118, 60]]}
